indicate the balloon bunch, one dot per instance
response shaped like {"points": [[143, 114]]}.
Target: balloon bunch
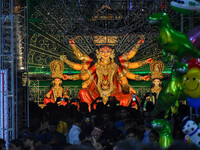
{"points": [[170, 39], [191, 82]]}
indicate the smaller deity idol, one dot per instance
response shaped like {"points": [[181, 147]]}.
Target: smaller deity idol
{"points": [[156, 68], [57, 89], [156, 87]]}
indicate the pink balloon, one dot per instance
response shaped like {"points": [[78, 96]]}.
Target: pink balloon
{"points": [[194, 36]]}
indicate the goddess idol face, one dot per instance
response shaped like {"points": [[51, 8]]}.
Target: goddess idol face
{"points": [[57, 81], [156, 82], [105, 52]]}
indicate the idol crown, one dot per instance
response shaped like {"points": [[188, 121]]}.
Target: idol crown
{"points": [[57, 68], [105, 40], [156, 68]]}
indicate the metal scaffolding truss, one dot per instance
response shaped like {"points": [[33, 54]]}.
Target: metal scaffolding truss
{"points": [[8, 76]]}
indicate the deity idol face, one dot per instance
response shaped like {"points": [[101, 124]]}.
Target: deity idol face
{"points": [[57, 81], [105, 52], [156, 82]]}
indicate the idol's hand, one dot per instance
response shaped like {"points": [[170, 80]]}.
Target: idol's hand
{"points": [[71, 42], [65, 77], [66, 96], [132, 90], [59, 103], [63, 58], [146, 78], [48, 95], [84, 85], [150, 60]]}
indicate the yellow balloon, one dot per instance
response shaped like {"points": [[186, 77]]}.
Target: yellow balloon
{"points": [[191, 83]]}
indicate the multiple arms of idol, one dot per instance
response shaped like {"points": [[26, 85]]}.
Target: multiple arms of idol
{"points": [[133, 65], [87, 72]]}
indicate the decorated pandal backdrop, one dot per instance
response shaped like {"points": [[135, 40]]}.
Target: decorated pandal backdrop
{"points": [[124, 29], [91, 24]]}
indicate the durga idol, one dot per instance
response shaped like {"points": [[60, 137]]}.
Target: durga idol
{"points": [[106, 78]]}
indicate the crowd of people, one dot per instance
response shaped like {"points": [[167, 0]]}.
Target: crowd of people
{"points": [[104, 128]]}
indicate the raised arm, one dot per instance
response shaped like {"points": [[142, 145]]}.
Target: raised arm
{"points": [[73, 77], [133, 65], [84, 75], [77, 52], [71, 64], [48, 95], [133, 76], [132, 52]]}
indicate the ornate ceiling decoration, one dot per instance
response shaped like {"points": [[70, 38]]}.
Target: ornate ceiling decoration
{"points": [[53, 22]]}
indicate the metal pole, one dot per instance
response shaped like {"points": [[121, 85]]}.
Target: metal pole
{"points": [[190, 22], [27, 49], [16, 69], [1, 24], [13, 113]]}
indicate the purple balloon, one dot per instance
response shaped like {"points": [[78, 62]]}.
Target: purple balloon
{"points": [[194, 36]]}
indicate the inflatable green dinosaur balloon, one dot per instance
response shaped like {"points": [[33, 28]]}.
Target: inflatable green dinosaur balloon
{"points": [[179, 45], [164, 129], [172, 41]]}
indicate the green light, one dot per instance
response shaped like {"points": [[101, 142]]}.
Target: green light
{"points": [[75, 72], [65, 72], [147, 72]]}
